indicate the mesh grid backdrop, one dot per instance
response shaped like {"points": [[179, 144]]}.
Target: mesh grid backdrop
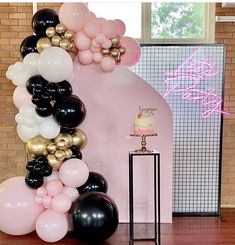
{"points": [[190, 71]]}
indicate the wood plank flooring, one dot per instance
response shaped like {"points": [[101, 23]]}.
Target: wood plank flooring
{"points": [[183, 231]]}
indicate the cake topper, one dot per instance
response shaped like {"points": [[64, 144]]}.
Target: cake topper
{"points": [[146, 112]]}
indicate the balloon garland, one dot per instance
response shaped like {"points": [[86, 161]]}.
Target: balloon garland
{"points": [[58, 186]]}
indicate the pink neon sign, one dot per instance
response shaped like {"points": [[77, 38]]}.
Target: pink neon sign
{"points": [[186, 79]]}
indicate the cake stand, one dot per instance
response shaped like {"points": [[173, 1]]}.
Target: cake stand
{"points": [[143, 148]]}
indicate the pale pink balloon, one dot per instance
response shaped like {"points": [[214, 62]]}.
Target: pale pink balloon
{"points": [[74, 172], [21, 97], [109, 28], [107, 44], [51, 226], [92, 28], [71, 193], [81, 41], [92, 16], [93, 50], [101, 38], [61, 203], [41, 191], [46, 201], [108, 64], [38, 200], [133, 51], [18, 209], [97, 57], [94, 43], [85, 57], [101, 20], [54, 187], [74, 15], [53, 176], [121, 27]]}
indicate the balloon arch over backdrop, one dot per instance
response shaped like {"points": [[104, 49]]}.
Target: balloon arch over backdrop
{"points": [[59, 194]]}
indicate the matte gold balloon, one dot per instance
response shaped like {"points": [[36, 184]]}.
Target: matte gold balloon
{"points": [[115, 52], [51, 148], [60, 28], [55, 40], [115, 42], [105, 51], [66, 137], [122, 50], [50, 31], [62, 145], [54, 162], [43, 43], [65, 44], [68, 35], [37, 146], [79, 138], [68, 153], [60, 155]]}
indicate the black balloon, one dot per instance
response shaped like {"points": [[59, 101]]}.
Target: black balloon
{"points": [[69, 112], [36, 84], [95, 182], [67, 130], [44, 109], [34, 180], [95, 217], [43, 19], [29, 45], [53, 90], [65, 88], [75, 152]]}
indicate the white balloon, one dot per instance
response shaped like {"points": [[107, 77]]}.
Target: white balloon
{"points": [[10, 72], [21, 136], [20, 78], [18, 66], [31, 63], [49, 129], [55, 64], [39, 120], [26, 132]]}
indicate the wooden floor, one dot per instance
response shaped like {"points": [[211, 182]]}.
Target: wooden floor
{"points": [[183, 231]]}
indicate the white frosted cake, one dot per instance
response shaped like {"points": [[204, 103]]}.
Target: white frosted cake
{"points": [[143, 126]]}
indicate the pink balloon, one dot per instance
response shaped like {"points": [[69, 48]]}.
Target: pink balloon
{"points": [[46, 202], [101, 20], [85, 57], [41, 191], [109, 28], [133, 50], [92, 16], [61, 203], [21, 97], [93, 50], [74, 15], [108, 64], [81, 41], [74, 172], [51, 226], [92, 28], [38, 200], [97, 57], [71, 193], [121, 27], [94, 43], [107, 44], [101, 38], [18, 209], [54, 187], [53, 176]]}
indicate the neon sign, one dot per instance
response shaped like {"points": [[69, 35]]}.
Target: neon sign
{"points": [[188, 77]]}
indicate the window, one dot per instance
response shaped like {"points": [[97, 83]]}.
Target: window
{"points": [[163, 22]]}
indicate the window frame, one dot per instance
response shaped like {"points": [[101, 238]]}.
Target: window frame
{"points": [[209, 28]]}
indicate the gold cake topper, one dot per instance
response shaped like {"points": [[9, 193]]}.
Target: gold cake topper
{"points": [[148, 111]]}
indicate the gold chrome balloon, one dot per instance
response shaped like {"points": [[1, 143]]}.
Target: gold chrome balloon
{"points": [[62, 145], [54, 162], [51, 148], [55, 40], [50, 31], [68, 153], [37, 146], [115, 42], [66, 137], [65, 44], [60, 155], [105, 51], [60, 28], [115, 52], [79, 138], [68, 35], [43, 43], [122, 50]]}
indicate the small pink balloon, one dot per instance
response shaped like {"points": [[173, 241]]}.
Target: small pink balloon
{"points": [[41, 191], [92, 16], [74, 172], [51, 226], [71, 193], [38, 200], [97, 57], [133, 51], [74, 15], [46, 202], [107, 44], [18, 209], [94, 43], [109, 28], [92, 28], [108, 64], [85, 57], [101, 20], [21, 97], [61, 203], [54, 187], [53, 176], [121, 27], [101, 38], [82, 42], [93, 50]]}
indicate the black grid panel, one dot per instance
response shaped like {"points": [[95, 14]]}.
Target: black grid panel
{"points": [[185, 70]]}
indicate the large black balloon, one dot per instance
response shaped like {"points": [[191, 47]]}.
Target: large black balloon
{"points": [[29, 45], [43, 19], [69, 112], [37, 83], [95, 182], [95, 217], [65, 88]]}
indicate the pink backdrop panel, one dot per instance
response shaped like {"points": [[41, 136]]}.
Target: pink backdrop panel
{"points": [[112, 101]]}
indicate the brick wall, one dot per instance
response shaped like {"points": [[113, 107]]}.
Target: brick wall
{"points": [[225, 33]]}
